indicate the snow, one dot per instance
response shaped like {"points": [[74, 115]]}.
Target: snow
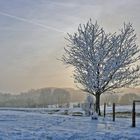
{"points": [[37, 124]]}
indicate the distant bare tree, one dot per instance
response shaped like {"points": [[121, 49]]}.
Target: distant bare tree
{"points": [[101, 61]]}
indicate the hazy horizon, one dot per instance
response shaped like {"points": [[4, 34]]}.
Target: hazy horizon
{"points": [[32, 37]]}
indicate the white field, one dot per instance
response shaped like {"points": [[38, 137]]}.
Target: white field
{"points": [[37, 124]]}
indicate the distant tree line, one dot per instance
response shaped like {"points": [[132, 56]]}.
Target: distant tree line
{"points": [[60, 97], [124, 99], [41, 98]]}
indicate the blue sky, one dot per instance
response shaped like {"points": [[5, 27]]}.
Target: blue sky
{"points": [[32, 37]]}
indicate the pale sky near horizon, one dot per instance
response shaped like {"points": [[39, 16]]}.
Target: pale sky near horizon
{"points": [[32, 37]]}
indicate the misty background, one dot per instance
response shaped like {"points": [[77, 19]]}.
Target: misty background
{"points": [[64, 97]]}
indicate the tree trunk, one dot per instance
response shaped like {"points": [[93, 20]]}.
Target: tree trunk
{"points": [[97, 105]]}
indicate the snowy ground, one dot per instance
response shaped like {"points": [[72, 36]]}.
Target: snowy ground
{"points": [[34, 124]]}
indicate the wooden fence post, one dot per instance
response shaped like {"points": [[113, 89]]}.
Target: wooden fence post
{"points": [[133, 115], [113, 112], [104, 109]]}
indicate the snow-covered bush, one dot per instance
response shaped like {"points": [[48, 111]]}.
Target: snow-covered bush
{"points": [[88, 106]]}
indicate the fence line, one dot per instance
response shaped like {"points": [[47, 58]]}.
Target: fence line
{"points": [[133, 112]]}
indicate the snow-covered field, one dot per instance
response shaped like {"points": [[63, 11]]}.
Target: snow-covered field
{"points": [[37, 124]]}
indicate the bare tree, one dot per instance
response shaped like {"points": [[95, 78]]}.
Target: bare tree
{"points": [[102, 61]]}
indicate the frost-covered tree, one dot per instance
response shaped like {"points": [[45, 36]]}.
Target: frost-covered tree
{"points": [[103, 61]]}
